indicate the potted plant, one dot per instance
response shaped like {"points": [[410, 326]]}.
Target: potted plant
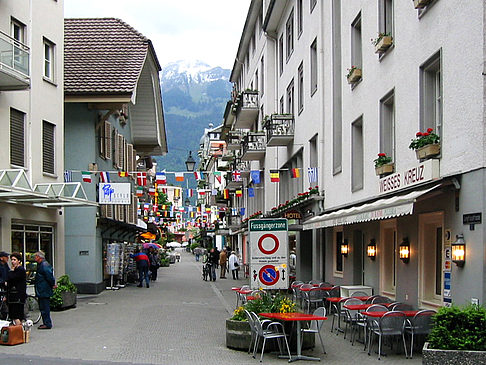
{"points": [[420, 4], [64, 294], [425, 144], [382, 42], [458, 336], [383, 164], [354, 74]]}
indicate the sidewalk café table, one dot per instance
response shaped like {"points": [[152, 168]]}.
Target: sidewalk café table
{"points": [[364, 306], [380, 314], [314, 287], [296, 317]]}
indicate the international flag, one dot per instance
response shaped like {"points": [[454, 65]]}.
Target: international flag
{"points": [[155, 208], [146, 206], [214, 192], [255, 176], [160, 178], [151, 191], [238, 193], [177, 193], [141, 178], [105, 177], [251, 192], [179, 176], [189, 193], [122, 173], [86, 176], [312, 172], [226, 194], [295, 173], [217, 175], [68, 176], [198, 175], [236, 176], [274, 176], [242, 212], [201, 192], [139, 191]]}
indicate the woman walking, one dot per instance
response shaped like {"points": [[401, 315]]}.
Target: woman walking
{"points": [[234, 265], [16, 289]]}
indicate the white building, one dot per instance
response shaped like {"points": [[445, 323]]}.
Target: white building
{"points": [[296, 54]]}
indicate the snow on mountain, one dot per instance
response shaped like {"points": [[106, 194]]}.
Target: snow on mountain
{"points": [[192, 72]]}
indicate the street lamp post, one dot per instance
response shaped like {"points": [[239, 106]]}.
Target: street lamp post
{"points": [[190, 163]]}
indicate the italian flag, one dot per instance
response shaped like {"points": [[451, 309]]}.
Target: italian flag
{"points": [[86, 176]]}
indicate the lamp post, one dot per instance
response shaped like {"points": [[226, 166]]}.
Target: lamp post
{"points": [[190, 163]]}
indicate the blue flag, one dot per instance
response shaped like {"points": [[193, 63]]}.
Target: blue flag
{"points": [[251, 193], [242, 212], [255, 176]]}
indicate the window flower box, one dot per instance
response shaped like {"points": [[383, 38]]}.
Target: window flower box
{"points": [[428, 151], [382, 43], [420, 4], [426, 144], [386, 169], [354, 75]]}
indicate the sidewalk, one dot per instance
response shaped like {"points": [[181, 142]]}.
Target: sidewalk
{"points": [[180, 319]]}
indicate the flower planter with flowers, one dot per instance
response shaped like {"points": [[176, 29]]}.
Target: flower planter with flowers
{"points": [[300, 198], [384, 165], [382, 42], [420, 4], [426, 144], [354, 75]]}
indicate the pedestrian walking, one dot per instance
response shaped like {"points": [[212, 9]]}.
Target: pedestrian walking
{"points": [[234, 265], [197, 252], [143, 264], [44, 283], [4, 269], [154, 263], [223, 260], [214, 260], [16, 289]]}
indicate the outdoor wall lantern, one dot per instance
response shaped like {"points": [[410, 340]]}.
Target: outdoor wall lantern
{"points": [[459, 250], [190, 163], [344, 248], [405, 250], [372, 249]]}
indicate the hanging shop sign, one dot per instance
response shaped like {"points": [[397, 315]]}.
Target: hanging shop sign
{"points": [[293, 214], [114, 193]]}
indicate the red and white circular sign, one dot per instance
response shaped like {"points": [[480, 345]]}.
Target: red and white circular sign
{"points": [[273, 245]]}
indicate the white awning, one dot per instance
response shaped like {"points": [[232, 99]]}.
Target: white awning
{"points": [[380, 209], [15, 188]]}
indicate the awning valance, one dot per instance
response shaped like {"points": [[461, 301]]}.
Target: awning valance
{"points": [[15, 188], [381, 209]]}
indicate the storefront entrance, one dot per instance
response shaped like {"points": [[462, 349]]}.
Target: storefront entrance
{"points": [[388, 267]]}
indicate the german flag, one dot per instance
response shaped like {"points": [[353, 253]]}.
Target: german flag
{"points": [[274, 176], [226, 194], [295, 173]]}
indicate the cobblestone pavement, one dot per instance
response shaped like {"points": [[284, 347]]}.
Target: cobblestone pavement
{"points": [[180, 319]]}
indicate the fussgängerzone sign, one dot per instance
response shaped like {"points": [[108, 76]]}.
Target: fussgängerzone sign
{"points": [[269, 253]]}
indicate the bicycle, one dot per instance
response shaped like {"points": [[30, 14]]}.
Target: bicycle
{"points": [[31, 309]]}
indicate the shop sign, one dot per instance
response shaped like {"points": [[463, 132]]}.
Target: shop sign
{"points": [[114, 193], [472, 218], [421, 173], [293, 214]]}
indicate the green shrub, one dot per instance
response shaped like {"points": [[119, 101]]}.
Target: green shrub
{"points": [[459, 329], [64, 284], [266, 304]]}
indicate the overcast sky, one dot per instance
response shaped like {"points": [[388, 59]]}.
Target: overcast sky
{"points": [[206, 30]]}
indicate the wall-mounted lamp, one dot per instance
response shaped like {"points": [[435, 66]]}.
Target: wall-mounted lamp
{"points": [[371, 251], [344, 248], [405, 250], [459, 250]]}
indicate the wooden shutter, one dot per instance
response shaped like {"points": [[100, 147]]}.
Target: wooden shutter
{"points": [[17, 138], [116, 159], [134, 160], [130, 157], [125, 155], [120, 152], [48, 152], [107, 139], [109, 211]]}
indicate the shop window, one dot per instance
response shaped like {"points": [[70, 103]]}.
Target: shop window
{"points": [[388, 249], [338, 257]]}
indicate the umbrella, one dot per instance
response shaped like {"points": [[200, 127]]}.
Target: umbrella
{"points": [[152, 245], [174, 244]]}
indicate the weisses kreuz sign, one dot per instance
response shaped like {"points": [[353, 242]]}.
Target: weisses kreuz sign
{"points": [[269, 253], [114, 193]]}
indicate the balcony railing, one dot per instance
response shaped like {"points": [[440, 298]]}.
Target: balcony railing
{"points": [[247, 109], [280, 129], [234, 140], [14, 64], [253, 146]]}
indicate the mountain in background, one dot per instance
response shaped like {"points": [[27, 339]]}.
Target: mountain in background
{"points": [[194, 94]]}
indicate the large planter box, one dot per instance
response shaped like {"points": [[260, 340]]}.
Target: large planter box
{"points": [[420, 4], [385, 169], [68, 300], [383, 44], [428, 151], [355, 76], [452, 357], [238, 336]]}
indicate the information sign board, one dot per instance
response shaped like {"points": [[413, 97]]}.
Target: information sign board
{"points": [[114, 193]]}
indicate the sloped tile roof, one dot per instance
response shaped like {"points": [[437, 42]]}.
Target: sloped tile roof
{"points": [[102, 56]]}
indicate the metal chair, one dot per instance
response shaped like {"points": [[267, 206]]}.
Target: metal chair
{"points": [[420, 324], [350, 317], [338, 312], [364, 321], [315, 326], [275, 330], [314, 282], [380, 299], [359, 293], [325, 284], [313, 296], [302, 295], [400, 307], [296, 293], [242, 297], [390, 324]]}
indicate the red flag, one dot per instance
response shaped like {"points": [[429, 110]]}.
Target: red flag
{"points": [[141, 178]]}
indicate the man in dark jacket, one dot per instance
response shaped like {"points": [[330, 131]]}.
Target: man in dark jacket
{"points": [[4, 269], [143, 263], [44, 283], [214, 259]]}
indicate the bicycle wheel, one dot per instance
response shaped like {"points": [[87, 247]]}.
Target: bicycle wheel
{"points": [[31, 309]]}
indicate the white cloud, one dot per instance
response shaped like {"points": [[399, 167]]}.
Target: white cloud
{"points": [[179, 29]]}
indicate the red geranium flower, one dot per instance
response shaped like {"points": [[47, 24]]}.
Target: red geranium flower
{"points": [[381, 154], [429, 130], [419, 134], [425, 134]]}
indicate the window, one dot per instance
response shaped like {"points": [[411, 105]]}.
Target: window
{"points": [[290, 98], [357, 155], [313, 66], [356, 49], [312, 4], [17, 30], [337, 81], [300, 18], [300, 87], [338, 258], [431, 95], [387, 125], [48, 150], [256, 80], [281, 53], [105, 140], [281, 105], [262, 78], [48, 60], [17, 138], [290, 34], [385, 9], [313, 162]]}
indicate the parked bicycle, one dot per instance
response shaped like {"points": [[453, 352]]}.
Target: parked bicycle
{"points": [[31, 308]]}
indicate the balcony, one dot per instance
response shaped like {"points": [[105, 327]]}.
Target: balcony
{"points": [[14, 64], [247, 109], [234, 140], [253, 146], [280, 129]]}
